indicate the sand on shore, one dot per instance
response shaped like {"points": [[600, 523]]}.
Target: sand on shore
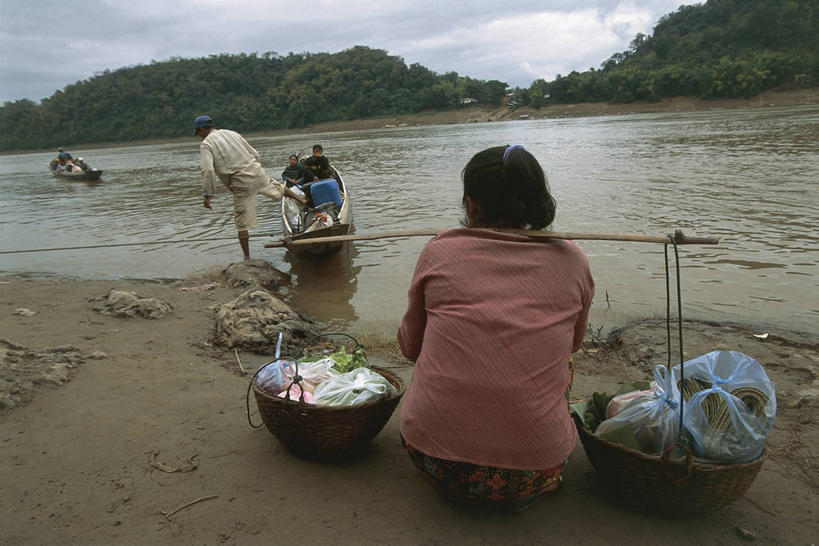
{"points": [[112, 396], [478, 113]]}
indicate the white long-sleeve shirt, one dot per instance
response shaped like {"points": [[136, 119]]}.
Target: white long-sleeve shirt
{"points": [[224, 153]]}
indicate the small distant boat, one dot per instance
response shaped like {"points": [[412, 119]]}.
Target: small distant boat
{"points": [[76, 174], [331, 216]]}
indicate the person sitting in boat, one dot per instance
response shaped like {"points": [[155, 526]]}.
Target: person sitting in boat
{"points": [[60, 165], [318, 165], [295, 174], [81, 164], [62, 154], [491, 322], [72, 167]]}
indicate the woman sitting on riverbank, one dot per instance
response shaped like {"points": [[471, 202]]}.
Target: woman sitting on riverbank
{"points": [[491, 322]]}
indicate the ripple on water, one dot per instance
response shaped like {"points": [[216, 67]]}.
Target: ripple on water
{"points": [[746, 176]]}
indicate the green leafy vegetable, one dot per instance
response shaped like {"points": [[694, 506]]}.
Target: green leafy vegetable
{"points": [[346, 362]]}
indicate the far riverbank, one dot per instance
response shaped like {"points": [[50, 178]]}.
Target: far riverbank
{"points": [[477, 114], [481, 114]]}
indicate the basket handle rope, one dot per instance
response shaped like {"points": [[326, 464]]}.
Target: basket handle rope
{"points": [[673, 242], [253, 379], [689, 463], [297, 379], [681, 440], [357, 344]]}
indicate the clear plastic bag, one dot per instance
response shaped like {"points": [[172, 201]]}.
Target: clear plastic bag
{"points": [[622, 402], [292, 211], [355, 387], [653, 418], [295, 395], [732, 406], [297, 190], [312, 373], [275, 376], [318, 221]]}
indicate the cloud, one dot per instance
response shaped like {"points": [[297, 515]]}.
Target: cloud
{"points": [[45, 45]]}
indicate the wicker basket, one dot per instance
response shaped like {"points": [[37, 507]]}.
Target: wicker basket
{"points": [[657, 484], [325, 431]]}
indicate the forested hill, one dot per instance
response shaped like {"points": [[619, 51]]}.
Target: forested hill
{"points": [[721, 48], [244, 92]]}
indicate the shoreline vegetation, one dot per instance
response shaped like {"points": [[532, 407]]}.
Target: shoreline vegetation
{"points": [[714, 50], [92, 401], [483, 114]]}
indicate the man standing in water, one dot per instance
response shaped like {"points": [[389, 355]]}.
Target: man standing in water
{"points": [[227, 155]]}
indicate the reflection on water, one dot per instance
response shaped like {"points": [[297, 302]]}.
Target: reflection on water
{"points": [[745, 176], [324, 285]]}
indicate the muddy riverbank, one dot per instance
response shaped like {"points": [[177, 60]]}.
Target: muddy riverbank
{"points": [[114, 395]]}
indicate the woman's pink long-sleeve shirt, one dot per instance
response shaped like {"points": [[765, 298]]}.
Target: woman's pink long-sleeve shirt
{"points": [[491, 322]]}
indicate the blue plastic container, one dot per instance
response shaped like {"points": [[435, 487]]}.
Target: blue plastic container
{"points": [[325, 191]]}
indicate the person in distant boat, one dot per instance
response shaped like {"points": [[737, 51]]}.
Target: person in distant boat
{"points": [[491, 322], [81, 164], [295, 174], [62, 154], [318, 165], [226, 155]]}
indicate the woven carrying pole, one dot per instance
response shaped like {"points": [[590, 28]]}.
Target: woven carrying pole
{"points": [[679, 237]]}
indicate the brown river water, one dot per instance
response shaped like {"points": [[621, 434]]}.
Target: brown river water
{"points": [[749, 177]]}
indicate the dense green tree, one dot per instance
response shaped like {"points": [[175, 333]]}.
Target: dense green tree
{"points": [[721, 48], [246, 92]]}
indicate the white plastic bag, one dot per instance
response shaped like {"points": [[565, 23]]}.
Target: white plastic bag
{"points": [[318, 221], [624, 401], [734, 432], [355, 387], [297, 190], [312, 373], [295, 395], [292, 212], [654, 417]]}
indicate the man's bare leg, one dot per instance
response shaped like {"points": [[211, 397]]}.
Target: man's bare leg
{"points": [[244, 242]]}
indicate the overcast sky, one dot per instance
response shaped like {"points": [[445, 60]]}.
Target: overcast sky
{"points": [[46, 45]]}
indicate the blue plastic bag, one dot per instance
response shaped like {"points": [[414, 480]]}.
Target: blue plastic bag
{"points": [[274, 377], [734, 433], [653, 418]]}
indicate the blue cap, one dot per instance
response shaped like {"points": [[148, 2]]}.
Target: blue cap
{"points": [[201, 121]]}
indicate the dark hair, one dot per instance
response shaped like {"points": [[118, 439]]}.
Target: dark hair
{"points": [[510, 191], [317, 147], [292, 156]]}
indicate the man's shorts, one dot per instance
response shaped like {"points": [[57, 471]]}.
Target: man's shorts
{"points": [[244, 185]]}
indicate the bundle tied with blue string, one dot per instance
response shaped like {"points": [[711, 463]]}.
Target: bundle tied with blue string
{"points": [[731, 406], [676, 482]]}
